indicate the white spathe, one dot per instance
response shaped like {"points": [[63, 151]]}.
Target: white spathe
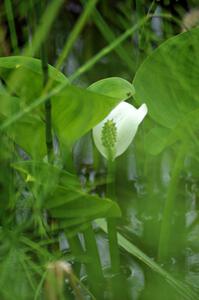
{"points": [[127, 119]]}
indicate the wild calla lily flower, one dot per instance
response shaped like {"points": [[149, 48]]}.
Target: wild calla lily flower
{"points": [[115, 133]]}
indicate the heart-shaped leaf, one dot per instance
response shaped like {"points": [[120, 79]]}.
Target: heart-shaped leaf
{"points": [[167, 82]]}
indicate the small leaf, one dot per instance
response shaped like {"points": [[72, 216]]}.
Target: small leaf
{"points": [[114, 87]]}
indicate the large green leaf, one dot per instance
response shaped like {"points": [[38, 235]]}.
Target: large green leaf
{"points": [[26, 63], [167, 81], [24, 77], [28, 131], [8, 104], [74, 110], [63, 196], [160, 137]]}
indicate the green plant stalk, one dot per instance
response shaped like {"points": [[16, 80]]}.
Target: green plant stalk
{"points": [[11, 24], [76, 250], [140, 13], [109, 36], [47, 20], [142, 37], [107, 49], [48, 118], [7, 184], [112, 46], [38, 290], [73, 36], [113, 246], [75, 32], [32, 15], [12, 179], [112, 222], [93, 267], [49, 138], [185, 291], [169, 206]]}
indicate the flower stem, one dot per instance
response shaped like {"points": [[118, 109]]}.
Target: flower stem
{"points": [[112, 234], [113, 246]]}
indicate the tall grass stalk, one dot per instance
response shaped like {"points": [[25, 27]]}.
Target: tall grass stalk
{"points": [[11, 24], [76, 249], [93, 267], [75, 32], [43, 29], [49, 137], [109, 36], [74, 242], [165, 232], [89, 6], [116, 42]]}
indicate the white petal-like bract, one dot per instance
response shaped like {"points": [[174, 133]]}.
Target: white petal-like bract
{"points": [[127, 119]]}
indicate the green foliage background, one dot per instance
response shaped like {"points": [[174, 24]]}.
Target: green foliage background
{"points": [[53, 202]]}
